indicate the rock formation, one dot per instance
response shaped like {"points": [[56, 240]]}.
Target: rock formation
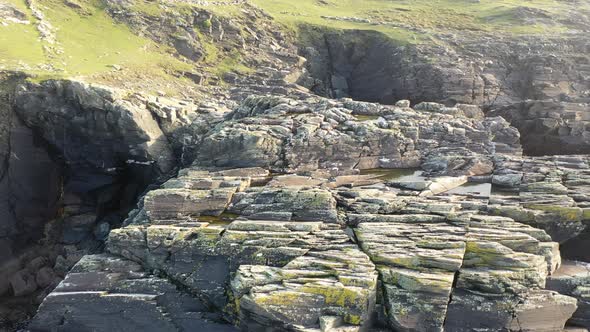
{"points": [[212, 167], [270, 237], [539, 84]]}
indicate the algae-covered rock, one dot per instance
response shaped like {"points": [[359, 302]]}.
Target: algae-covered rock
{"points": [[288, 244], [329, 280]]}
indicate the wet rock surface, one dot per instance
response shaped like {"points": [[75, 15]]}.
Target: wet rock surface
{"points": [[337, 239]]}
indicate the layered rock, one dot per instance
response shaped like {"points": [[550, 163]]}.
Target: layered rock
{"points": [[546, 192], [439, 258], [290, 135], [436, 257], [538, 83], [333, 284], [573, 279], [549, 126], [103, 285], [74, 159], [323, 242]]}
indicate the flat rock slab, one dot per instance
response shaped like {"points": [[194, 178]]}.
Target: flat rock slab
{"points": [[573, 279], [107, 293]]}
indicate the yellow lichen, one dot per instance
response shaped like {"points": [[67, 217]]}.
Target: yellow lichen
{"points": [[335, 295], [353, 319], [564, 212], [279, 298]]}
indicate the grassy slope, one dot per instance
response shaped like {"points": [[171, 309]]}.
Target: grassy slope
{"points": [[19, 44], [89, 42], [430, 15]]}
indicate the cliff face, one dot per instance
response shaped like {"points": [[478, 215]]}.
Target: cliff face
{"points": [[326, 168], [326, 247], [540, 85]]}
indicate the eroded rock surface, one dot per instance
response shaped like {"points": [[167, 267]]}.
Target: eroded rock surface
{"points": [[105, 286], [539, 84], [74, 158], [86, 123], [291, 135], [573, 279], [546, 192], [273, 238]]}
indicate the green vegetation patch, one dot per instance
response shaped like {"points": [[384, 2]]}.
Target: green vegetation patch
{"points": [[88, 42], [563, 212], [418, 20]]}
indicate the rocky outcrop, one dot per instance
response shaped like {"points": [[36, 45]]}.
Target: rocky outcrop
{"points": [[550, 127], [539, 84], [278, 218], [289, 135], [107, 286], [30, 181], [292, 271], [74, 159], [247, 49], [546, 192], [447, 254], [85, 123], [573, 279], [9, 14], [322, 242]]}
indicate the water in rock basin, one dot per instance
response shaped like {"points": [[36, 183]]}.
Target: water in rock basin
{"points": [[367, 117], [502, 191], [470, 188], [396, 174], [224, 219]]}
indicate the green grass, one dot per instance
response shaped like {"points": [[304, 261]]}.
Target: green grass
{"points": [[156, 8], [416, 20], [231, 63], [89, 44], [19, 45]]}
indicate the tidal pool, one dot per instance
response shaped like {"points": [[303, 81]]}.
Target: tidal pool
{"points": [[366, 117], [396, 174], [224, 219], [471, 188]]}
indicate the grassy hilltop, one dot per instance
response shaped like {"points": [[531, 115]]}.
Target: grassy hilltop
{"points": [[402, 18], [89, 43]]}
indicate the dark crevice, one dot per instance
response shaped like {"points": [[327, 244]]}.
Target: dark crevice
{"points": [[59, 229], [577, 248], [453, 287], [368, 66]]}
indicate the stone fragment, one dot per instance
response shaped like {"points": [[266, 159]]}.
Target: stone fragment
{"points": [[166, 204], [102, 286], [573, 279], [23, 283], [45, 277], [543, 311]]}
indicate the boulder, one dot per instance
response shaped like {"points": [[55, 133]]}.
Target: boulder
{"points": [[103, 285], [573, 279]]}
